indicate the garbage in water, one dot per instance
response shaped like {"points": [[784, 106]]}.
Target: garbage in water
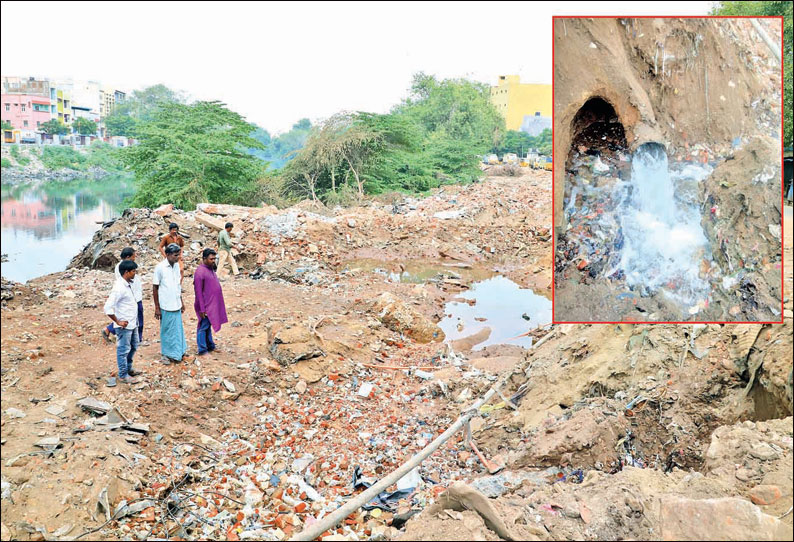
{"points": [[660, 220], [638, 223], [502, 303]]}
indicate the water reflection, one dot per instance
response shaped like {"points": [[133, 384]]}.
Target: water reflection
{"points": [[501, 305], [44, 226]]}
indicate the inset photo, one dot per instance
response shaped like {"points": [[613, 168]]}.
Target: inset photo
{"points": [[667, 155]]}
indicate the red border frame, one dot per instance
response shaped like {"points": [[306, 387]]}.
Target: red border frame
{"points": [[782, 187]]}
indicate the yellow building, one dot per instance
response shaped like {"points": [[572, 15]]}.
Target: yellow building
{"points": [[516, 100]]}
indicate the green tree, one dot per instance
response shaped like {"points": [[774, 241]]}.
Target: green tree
{"points": [[283, 147], [140, 106], [459, 108], [54, 127], [194, 153], [515, 141], [84, 126], [117, 124], [7, 125], [778, 9]]}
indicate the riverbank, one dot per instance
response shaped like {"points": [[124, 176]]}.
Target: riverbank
{"points": [[32, 164]]}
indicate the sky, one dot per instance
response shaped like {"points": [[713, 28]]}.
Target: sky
{"points": [[278, 62]]}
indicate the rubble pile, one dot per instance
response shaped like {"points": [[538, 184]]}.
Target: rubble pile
{"points": [[302, 246], [318, 389]]}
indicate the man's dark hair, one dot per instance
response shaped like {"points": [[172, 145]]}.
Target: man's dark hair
{"points": [[127, 252], [229, 225], [173, 226], [127, 265], [172, 248], [207, 253]]}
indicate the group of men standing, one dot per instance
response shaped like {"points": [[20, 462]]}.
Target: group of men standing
{"points": [[124, 305]]}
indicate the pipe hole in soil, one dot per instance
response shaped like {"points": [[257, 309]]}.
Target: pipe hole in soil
{"points": [[633, 222]]}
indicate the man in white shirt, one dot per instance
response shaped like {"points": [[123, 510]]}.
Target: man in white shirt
{"points": [[122, 308], [128, 253], [168, 306]]}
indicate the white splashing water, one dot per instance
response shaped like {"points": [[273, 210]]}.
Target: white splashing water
{"points": [[664, 242]]}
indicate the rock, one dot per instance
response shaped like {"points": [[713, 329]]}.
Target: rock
{"points": [[49, 442], [15, 413], [300, 387], [94, 405], [164, 209], [210, 222], [207, 440], [401, 318], [764, 452], [351, 222], [729, 518], [764, 495], [189, 384], [467, 343], [229, 386], [55, 410]]}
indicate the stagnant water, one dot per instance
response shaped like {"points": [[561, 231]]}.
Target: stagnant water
{"points": [[664, 242], [501, 305]]}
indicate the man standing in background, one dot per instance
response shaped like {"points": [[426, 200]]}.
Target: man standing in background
{"points": [[168, 306], [122, 308], [128, 253], [174, 237], [225, 250], [209, 305]]}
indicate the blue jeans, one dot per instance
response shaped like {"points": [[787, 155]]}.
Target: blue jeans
{"points": [[204, 336], [112, 330], [126, 345]]}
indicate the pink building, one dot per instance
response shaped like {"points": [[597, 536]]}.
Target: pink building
{"points": [[25, 111]]}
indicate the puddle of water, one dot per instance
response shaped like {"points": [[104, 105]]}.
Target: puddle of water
{"points": [[502, 303], [419, 272]]}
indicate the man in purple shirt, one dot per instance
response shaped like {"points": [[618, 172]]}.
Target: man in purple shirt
{"points": [[209, 304]]}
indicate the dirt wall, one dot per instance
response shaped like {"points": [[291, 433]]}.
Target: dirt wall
{"points": [[681, 82]]}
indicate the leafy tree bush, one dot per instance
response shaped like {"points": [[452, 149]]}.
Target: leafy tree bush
{"points": [[57, 157], [194, 153], [84, 126], [54, 127]]}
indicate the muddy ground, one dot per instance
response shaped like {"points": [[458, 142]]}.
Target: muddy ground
{"points": [[619, 431]]}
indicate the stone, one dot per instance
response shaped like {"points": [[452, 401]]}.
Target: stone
{"points": [[300, 387], [55, 410], [189, 384], [15, 413], [399, 317], [764, 452], [764, 495], [728, 518]]}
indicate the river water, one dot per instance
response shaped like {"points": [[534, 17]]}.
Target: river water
{"points": [[45, 225]]}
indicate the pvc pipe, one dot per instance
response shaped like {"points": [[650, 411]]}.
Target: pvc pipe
{"points": [[331, 520]]}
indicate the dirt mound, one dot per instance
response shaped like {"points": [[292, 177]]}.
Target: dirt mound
{"points": [[742, 220]]}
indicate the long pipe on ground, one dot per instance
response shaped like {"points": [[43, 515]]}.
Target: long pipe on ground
{"points": [[764, 36], [331, 520]]}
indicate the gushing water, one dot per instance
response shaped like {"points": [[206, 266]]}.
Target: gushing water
{"points": [[664, 241]]}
